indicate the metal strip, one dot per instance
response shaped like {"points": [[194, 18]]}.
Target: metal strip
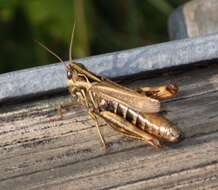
{"points": [[44, 79]]}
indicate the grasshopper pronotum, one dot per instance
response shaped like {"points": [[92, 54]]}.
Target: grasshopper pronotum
{"points": [[133, 113]]}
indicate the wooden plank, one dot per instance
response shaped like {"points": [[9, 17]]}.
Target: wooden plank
{"points": [[40, 151]]}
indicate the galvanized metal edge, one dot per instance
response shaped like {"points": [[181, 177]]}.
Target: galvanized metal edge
{"points": [[44, 79]]}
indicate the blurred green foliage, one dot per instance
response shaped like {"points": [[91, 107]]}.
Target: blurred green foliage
{"points": [[101, 26]]}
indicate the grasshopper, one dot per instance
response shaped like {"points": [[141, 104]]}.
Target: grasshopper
{"points": [[134, 113]]}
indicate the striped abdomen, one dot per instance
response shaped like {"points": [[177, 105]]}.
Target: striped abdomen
{"points": [[152, 123]]}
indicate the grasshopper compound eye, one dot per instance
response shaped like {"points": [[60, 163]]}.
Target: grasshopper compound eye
{"points": [[69, 75]]}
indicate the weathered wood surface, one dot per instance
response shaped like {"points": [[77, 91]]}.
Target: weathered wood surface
{"points": [[40, 151]]}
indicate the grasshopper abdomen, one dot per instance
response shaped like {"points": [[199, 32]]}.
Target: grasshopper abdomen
{"points": [[154, 124]]}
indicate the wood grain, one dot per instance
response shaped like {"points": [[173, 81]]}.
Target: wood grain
{"points": [[38, 150]]}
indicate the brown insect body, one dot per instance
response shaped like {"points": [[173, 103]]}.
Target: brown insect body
{"points": [[106, 96], [133, 113], [151, 122]]}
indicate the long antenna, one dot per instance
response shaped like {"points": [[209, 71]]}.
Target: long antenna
{"points": [[50, 51], [71, 43]]}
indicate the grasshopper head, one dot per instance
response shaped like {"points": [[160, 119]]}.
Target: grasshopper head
{"points": [[69, 72], [72, 75], [75, 72], [78, 72], [77, 77]]}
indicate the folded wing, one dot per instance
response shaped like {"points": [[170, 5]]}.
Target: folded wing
{"points": [[111, 91]]}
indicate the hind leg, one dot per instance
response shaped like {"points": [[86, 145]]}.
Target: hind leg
{"points": [[161, 92]]}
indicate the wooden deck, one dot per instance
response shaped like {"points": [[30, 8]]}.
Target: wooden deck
{"points": [[40, 151]]}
